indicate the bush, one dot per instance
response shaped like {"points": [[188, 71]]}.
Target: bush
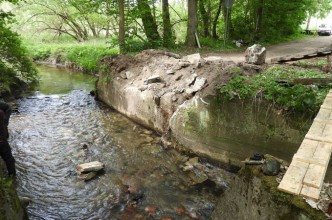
{"points": [[265, 86]]}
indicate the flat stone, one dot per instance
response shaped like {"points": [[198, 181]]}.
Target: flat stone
{"points": [[87, 176], [198, 85], [194, 59], [129, 74], [191, 80], [170, 72], [183, 64], [152, 79], [212, 59], [89, 167]]}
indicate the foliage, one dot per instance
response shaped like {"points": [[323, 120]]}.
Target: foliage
{"points": [[264, 86], [317, 63], [84, 56], [13, 59], [265, 21]]}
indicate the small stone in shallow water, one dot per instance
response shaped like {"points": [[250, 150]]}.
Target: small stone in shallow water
{"points": [[150, 209], [84, 145], [87, 176]]}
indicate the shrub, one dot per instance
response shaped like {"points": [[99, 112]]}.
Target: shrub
{"points": [[264, 86]]}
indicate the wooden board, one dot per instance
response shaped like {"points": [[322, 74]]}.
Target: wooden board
{"points": [[303, 55], [307, 171], [310, 192], [314, 152], [292, 180], [324, 115], [314, 176], [88, 167]]}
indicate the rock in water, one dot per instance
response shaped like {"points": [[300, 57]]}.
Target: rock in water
{"points": [[89, 167], [256, 54], [271, 167]]}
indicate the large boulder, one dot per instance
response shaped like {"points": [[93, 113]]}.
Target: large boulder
{"points": [[256, 54]]}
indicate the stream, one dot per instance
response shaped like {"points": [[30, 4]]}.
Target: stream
{"points": [[141, 179]]}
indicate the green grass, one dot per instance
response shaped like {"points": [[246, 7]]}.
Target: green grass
{"points": [[264, 86], [316, 63], [85, 55]]}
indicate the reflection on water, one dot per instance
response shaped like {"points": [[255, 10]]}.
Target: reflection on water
{"points": [[58, 81], [141, 178]]}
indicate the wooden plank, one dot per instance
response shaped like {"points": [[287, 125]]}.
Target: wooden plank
{"points": [[306, 150], [324, 114], [292, 180], [316, 129], [322, 154], [314, 176], [328, 101], [88, 167], [319, 155], [320, 132], [310, 192], [326, 107]]}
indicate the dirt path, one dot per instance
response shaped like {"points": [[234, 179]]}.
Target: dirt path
{"points": [[282, 49]]}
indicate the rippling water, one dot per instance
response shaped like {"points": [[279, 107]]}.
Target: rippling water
{"points": [[141, 179]]}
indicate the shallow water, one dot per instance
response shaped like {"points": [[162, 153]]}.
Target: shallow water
{"points": [[141, 179]]}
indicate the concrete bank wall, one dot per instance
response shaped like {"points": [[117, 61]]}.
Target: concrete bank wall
{"points": [[174, 104]]}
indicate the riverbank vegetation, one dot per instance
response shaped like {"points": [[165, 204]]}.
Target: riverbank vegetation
{"points": [[84, 57], [273, 85], [14, 62]]}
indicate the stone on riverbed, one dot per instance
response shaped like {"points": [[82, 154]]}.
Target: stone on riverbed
{"points": [[89, 167], [87, 176]]}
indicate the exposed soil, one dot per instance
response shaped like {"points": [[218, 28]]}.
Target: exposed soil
{"points": [[282, 49]]}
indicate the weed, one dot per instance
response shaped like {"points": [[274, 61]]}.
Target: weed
{"points": [[265, 86]]}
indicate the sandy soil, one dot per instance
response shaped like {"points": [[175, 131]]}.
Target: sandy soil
{"points": [[282, 49]]}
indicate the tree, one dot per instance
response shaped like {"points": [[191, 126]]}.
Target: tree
{"points": [[215, 20], [318, 8], [205, 18], [192, 23], [167, 30], [122, 45], [149, 23], [13, 59], [76, 18]]}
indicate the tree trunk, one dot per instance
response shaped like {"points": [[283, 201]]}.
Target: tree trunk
{"points": [[215, 21], [149, 24], [258, 31], [121, 27], [192, 23], [167, 31], [228, 21], [308, 22], [205, 18]]}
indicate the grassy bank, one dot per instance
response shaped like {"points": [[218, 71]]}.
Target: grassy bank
{"points": [[285, 96], [83, 55]]}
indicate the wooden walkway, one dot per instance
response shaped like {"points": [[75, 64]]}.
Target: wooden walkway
{"points": [[306, 172], [304, 55]]}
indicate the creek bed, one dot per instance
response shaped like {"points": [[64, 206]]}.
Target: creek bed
{"points": [[141, 178]]}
